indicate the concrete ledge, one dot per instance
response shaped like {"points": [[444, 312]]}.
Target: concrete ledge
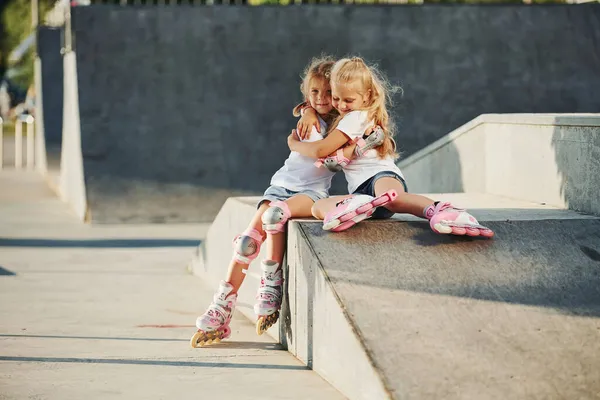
{"points": [[390, 310], [544, 158], [317, 327], [72, 182]]}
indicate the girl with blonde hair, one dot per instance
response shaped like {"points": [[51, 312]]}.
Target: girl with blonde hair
{"points": [[361, 95]]}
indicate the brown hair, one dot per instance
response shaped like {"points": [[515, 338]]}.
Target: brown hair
{"points": [[319, 67]]}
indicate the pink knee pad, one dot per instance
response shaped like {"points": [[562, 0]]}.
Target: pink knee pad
{"points": [[275, 218], [247, 246]]}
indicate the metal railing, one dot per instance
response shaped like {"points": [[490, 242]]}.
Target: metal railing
{"points": [[28, 120]]}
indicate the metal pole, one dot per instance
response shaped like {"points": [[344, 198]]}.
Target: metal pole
{"points": [[30, 159], [18, 144], [35, 14]]}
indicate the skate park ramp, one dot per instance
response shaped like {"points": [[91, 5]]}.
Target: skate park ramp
{"points": [[516, 317], [389, 309]]}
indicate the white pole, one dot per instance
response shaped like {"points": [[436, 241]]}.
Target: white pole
{"points": [[18, 144], [1, 143], [30, 159]]}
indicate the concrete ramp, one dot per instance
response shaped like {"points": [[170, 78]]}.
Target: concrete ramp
{"points": [[389, 309], [453, 318]]}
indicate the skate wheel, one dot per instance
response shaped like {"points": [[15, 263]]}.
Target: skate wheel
{"points": [[456, 230], [348, 216], [194, 341], [472, 231], [364, 208], [260, 322], [486, 233], [344, 226], [264, 322]]}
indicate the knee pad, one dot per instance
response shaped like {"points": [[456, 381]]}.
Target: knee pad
{"points": [[247, 246], [365, 144], [275, 218]]}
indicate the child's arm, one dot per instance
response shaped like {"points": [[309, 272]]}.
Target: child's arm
{"points": [[307, 120], [320, 148], [349, 149]]}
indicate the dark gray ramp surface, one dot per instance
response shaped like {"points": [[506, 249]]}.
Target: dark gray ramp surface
{"points": [[445, 317]]}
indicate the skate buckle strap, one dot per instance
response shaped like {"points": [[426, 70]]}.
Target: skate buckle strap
{"points": [[217, 309], [269, 292]]}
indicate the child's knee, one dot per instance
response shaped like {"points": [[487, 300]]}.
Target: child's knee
{"points": [[316, 211]]}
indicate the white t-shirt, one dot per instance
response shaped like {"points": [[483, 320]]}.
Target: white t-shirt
{"points": [[300, 173], [354, 124]]}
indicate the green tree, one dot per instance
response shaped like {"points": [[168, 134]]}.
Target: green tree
{"points": [[15, 26]]}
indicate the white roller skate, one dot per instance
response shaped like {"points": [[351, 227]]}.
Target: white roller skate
{"points": [[213, 325], [269, 296]]}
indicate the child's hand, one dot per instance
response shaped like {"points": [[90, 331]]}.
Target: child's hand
{"points": [[370, 130], [293, 138], [306, 122]]}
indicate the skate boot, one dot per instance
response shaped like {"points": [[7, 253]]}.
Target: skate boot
{"points": [[354, 209], [446, 219], [213, 325], [268, 296]]}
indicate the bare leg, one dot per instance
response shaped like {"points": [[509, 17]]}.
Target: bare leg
{"points": [[235, 273], [270, 292], [405, 202], [300, 207]]}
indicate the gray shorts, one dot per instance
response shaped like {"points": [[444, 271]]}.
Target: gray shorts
{"points": [[368, 187], [279, 193]]}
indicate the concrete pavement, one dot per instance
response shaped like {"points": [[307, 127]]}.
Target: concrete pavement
{"points": [[106, 312]]}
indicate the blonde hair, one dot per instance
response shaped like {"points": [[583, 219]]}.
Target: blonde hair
{"points": [[355, 70], [319, 68]]}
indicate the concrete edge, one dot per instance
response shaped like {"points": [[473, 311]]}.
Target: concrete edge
{"points": [[72, 180], [318, 329], [507, 119]]}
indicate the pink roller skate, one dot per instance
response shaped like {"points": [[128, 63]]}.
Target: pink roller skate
{"points": [[213, 325], [268, 296], [354, 209], [446, 219]]}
